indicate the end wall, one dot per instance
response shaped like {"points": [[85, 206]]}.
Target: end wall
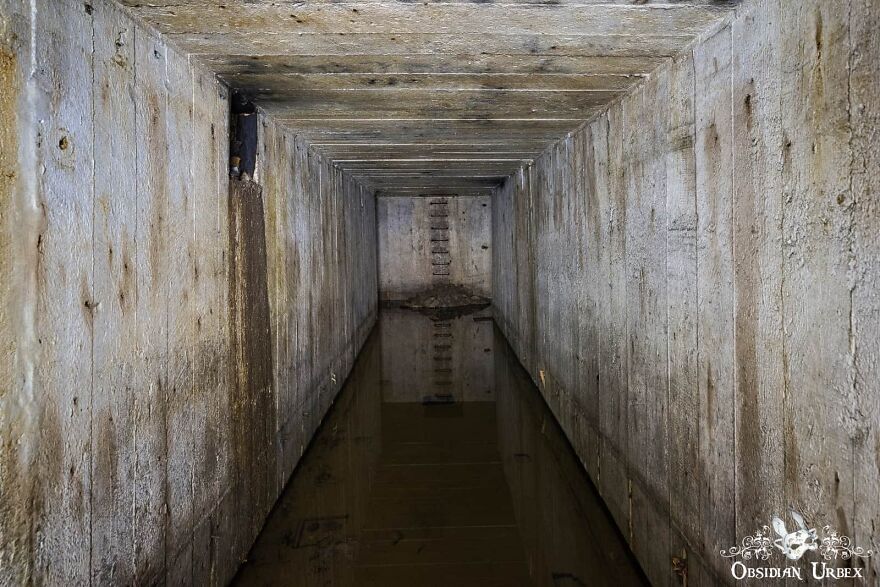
{"points": [[426, 242], [692, 279]]}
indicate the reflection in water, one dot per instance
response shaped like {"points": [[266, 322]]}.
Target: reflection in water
{"points": [[439, 465]]}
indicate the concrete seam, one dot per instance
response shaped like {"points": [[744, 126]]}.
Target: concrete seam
{"points": [[137, 344], [733, 186], [92, 349], [697, 273]]}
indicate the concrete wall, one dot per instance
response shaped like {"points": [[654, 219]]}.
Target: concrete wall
{"points": [[429, 241], [139, 415], [322, 281], [691, 279]]}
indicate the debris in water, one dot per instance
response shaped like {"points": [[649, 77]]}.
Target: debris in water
{"points": [[448, 296]]}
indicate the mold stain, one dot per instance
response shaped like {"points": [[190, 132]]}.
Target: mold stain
{"points": [[127, 281], [252, 365]]}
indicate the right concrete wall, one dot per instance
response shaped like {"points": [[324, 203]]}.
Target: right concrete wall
{"points": [[691, 280]]}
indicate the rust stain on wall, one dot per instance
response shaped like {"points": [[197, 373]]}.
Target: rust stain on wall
{"points": [[8, 146], [10, 510], [17, 478]]}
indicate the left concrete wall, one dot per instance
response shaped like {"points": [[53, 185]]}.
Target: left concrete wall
{"points": [[320, 229], [131, 445]]}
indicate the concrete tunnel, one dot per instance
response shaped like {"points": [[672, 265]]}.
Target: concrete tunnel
{"points": [[454, 292]]}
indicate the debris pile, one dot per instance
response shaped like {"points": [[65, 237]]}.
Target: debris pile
{"points": [[447, 296]]}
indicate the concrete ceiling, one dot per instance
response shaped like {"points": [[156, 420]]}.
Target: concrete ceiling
{"points": [[434, 96]]}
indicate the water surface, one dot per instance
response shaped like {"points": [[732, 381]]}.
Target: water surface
{"points": [[439, 465]]}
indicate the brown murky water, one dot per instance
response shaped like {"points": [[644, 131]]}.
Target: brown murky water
{"points": [[439, 465]]}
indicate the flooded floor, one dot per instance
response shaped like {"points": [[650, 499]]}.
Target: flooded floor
{"points": [[439, 465]]}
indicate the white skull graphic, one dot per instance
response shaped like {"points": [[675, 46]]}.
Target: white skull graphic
{"points": [[794, 544]]}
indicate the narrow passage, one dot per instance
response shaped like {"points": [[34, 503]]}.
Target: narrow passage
{"points": [[440, 464]]}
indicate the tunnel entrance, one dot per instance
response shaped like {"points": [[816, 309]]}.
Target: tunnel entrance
{"points": [[460, 477]]}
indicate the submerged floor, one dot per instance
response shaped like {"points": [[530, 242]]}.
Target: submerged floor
{"points": [[441, 465]]}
